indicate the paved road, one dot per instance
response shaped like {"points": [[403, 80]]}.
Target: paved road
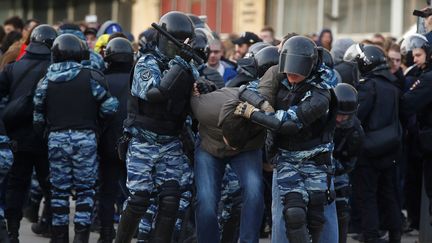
{"points": [[26, 236]]}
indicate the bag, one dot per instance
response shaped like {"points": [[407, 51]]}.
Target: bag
{"points": [[384, 140], [19, 112], [425, 140]]}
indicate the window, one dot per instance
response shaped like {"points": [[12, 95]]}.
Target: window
{"points": [[364, 16], [301, 16]]}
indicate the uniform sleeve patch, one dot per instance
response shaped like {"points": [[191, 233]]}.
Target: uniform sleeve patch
{"points": [[146, 75]]}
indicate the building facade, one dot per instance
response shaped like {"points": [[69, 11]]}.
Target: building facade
{"points": [[354, 18]]}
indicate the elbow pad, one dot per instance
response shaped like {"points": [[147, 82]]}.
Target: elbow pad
{"points": [[250, 96], [289, 128], [274, 124], [266, 121], [176, 82]]}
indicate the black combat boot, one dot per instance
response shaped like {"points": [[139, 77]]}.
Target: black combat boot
{"points": [[4, 237], [82, 233], [43, 227], [60, 234], [13, 225], [107, 234], [31, 212]]}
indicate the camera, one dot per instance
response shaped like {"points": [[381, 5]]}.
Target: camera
{"points": [[423, 14]]}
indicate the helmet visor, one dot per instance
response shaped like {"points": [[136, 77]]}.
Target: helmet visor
{"points": [[412, 42], [296, 64], [354, 52]]}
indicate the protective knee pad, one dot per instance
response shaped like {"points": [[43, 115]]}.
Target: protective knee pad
{"points": [[169, 198], [315, 214], [295, 218], [295, 224], [139, 202]]}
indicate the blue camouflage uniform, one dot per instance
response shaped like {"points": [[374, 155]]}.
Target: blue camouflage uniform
{"points": [[155, 160], [231, 191], [146, 224], [303, 160], [296, 172], [72, 153], [6, 159]]}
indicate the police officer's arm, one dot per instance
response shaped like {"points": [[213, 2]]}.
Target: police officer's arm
{"points": [[108, 104], [5, 80], [39, 103], [278, 122], [416, 98], [366, 97], [146, 75], [269, 85], [313, 107], [173, 81]]}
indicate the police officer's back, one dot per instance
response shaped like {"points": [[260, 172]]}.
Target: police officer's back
{"points": [[70, 102], [119, 56], [19, 80], [379, 114]]}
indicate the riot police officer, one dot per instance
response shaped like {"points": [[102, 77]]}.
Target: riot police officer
{"points": [[69, 102], [160, 91], [95, 60], [18, 80], [303, 131], [119, 56], [418, 101], [379, 115], [348, 140], [252, 68]]}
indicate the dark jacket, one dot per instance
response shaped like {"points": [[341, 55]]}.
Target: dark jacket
{"points": [[348, 143], [117, 77], [378, 102], [10, 84], [348, 73], [418, 100], [210, 110]]}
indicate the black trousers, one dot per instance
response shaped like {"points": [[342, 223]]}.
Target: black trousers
{"points": [[372, 183], [19, 181], [110, 170]]}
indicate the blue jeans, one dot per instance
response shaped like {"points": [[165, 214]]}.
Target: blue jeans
{"points": [[209, 171], [328, 234]]}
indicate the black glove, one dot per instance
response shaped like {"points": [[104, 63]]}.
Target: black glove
{"points": [[204, 88]]}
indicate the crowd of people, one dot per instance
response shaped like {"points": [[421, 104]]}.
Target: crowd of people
{"points": [[182, 136]]}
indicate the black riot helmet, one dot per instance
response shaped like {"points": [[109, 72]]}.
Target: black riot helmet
{"points": [[179, 26], [44, 34], [266, 58], [119, 50], [327, 58], [256, 47], [347, 101], [200, 44], [67, 47], [369, 58], [299, 55]]}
